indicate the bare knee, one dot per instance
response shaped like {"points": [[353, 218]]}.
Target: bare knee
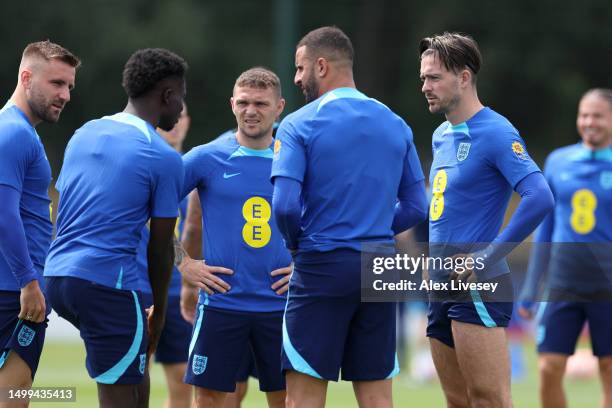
{"points": [[605, 371], [552, 368], [480, 397], [373, 393], [456, 399], [206, 398]]}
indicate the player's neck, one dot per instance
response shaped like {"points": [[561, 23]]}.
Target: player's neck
{"points": [[598, 146], [260, 143], [20, 101], [335, 82], [141, 110], [465, 109]]}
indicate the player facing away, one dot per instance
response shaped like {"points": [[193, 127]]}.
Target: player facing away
{"points": [[345, 173], [173, 343], [478, 159], [46, 78], [118, 173], [231, 175], [579, 260]]}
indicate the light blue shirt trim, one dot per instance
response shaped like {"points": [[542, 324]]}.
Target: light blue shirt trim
{"points": [[481, 309], [459, 128], [584, 153], [112, 375], [119, 279], [340, 93], [396, 369], [6, 106], [132, 120], [297, 361], [245, 151]]}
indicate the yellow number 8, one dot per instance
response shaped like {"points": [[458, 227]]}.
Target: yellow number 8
{"points": [[582, 219], [437, 201], [257, 212]]}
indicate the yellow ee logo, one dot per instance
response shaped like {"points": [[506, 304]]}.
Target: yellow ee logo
{"points": [[437, 201], [584, 203], [277, 146], [257, 212]]}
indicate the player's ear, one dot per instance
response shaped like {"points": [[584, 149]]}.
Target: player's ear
{"points": [[25, 77], [465, 77], [321, 67], [166, 94], [280, 106]]}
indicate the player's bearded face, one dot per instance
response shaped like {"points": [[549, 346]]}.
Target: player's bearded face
{"points": [[594, 121], [49, 89], [256, 110], [441, 87], [309, 86], [305, 77]]}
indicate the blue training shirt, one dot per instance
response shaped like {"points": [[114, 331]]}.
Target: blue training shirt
{"points": [[476, 165], [581, 181], [24, 167], [143, 269], [239, 231], [117, 173], [350, 152]]}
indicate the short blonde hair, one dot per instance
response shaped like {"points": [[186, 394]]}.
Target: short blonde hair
{"points": [[261, 78], [48, 50]]}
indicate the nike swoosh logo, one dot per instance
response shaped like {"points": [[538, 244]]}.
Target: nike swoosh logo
{"points": [[226, 176]]}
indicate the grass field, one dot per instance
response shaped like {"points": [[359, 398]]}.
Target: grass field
{"points": [[63, 365]]}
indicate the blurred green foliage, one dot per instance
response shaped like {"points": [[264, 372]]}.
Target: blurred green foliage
{"points": [[539, 57]]}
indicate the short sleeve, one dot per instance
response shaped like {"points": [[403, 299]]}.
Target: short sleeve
{"points": [[194, 170], [168, 184], [16, 149], [289, 153], [508, 154]]}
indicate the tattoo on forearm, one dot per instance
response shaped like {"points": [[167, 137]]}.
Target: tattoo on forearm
{"points": [[179, 252]]}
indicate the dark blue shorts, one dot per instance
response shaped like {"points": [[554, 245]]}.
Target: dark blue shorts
{"points": [[112, 322], [562, 322], [326, 327], [220, 343], [173, 346], [247, 367], [20, 336], [475, 309]]}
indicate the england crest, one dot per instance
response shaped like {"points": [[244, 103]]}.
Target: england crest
{"points": [[605, 179], [25, 337], [463, 150], [198, 365], [143, 363]]}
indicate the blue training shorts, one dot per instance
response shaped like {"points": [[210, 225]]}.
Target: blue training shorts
{"points": [[474, 307], [112, 322], [220, 346], [562, 322], [23, 337], [326, 327]]}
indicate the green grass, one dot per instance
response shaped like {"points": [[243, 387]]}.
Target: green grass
{"points": [[64, 365]]}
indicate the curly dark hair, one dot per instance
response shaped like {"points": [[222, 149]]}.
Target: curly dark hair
{"points": [[145, 68]]}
